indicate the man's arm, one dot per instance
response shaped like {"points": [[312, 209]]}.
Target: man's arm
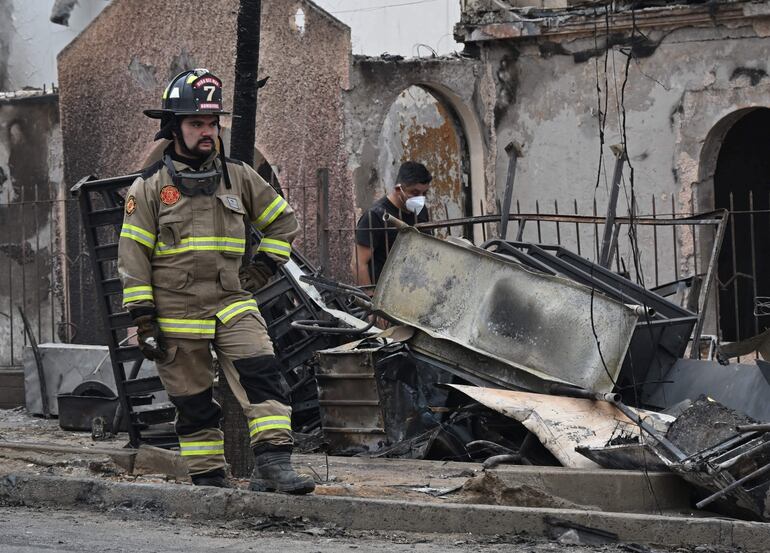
{"points": [[274, 218], [135, 250], [360, 265]]}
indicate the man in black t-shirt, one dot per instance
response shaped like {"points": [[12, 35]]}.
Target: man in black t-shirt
{"points": [[374, 238]]}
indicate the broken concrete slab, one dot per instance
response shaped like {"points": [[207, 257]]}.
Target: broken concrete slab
{"points": [[205, 503], [594, 489], [154, 460], [144, 460]]}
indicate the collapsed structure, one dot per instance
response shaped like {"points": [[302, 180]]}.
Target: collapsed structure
{"points": [[518, 349]]}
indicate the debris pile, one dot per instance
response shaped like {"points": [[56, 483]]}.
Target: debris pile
{"points": [[520, 354], [508, 353]]}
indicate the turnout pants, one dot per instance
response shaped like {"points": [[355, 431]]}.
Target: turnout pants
{"points": [[245, 352]]}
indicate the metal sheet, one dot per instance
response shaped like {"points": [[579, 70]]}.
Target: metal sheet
{"points": [[538, 323], [627, 457], [744, 387], [561, 423], [349, 400]]}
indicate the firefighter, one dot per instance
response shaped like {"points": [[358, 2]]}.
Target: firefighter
{"points": [[179, 261]]}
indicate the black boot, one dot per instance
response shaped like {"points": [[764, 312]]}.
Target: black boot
{"points": [[273, 472], [215, 478]]}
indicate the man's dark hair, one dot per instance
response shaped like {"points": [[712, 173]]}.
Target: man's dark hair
{"points": [[412, 172]]}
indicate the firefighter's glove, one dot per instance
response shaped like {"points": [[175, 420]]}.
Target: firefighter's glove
{"points": [[257, 274], [150, 338]]}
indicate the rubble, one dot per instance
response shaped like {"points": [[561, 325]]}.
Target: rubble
{"points": [[509, 353], [515, 316]]}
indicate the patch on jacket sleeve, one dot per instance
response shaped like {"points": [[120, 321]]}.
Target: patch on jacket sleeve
{"points": [[130, 205], [169, 194]]}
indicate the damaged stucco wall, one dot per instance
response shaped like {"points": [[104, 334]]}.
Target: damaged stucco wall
{"points": [[420, 127], [121, 62], [692, 66], [30, 209], [372, 131]]}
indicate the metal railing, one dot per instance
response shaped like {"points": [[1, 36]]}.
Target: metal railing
{"points": [[670, 252], [32, 275]]}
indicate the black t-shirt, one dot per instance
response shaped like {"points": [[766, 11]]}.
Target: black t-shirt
{"points": [[371, 231]]}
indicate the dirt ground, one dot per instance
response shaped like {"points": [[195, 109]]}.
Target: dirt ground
{"points": [[431, 481], [425, 481]]}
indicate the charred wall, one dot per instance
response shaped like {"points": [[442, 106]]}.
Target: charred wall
{"points": [[461, 88], [661, 87], [30, 190], [6, 28], [121, 62]]}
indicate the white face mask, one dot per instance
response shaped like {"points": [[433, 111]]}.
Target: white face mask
{"points": [[415, 204]]}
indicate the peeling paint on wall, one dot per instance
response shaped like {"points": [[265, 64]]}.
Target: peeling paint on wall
{"points": [[419, 127], [183, 62], [30, 159], [691, 74], [143, 74], [379, 106]]}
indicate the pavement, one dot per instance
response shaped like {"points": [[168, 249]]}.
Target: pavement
{"points": [[43, 466]]}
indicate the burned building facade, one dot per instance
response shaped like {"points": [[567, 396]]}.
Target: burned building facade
{"points": [[682, 85], [331, 129]]}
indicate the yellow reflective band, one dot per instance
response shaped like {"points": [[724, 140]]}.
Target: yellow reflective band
{"points": [[191, 78], [204, 327], [216, 447], [137, 293], [269, 423], [203, 243], [271, 212], [278, 247], [236, 309], [139, 234]]}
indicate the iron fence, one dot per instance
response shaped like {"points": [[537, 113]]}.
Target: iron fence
{"points": [[32, 275], [695, 259], [661, 248]]}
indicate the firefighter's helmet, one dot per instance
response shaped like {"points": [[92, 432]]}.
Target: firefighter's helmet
{"points": [[191, 92]]}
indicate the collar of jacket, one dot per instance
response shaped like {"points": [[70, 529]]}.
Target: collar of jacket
{"points": [[211, 160]]}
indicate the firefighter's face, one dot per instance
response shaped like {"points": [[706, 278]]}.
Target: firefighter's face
{"points": [[199, 133]]}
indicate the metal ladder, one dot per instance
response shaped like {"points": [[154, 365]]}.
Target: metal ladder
{"points": [[280, 302]]}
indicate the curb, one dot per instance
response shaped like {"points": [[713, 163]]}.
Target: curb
{"points": [[376, 514]]}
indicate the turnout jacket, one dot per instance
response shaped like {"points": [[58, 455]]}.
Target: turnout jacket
{"points": [[180, 255]]}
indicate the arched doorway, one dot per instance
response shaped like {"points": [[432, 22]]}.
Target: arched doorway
{"points": [[421, 126], [742, 185]]}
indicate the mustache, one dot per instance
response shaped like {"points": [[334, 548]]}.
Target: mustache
{"points": [[202, 140]]}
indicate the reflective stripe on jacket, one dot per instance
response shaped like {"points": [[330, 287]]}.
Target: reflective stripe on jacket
{"points": [[181, 254]]}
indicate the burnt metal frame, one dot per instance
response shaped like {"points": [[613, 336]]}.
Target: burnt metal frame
{"points": [[101, 252], [660, 338], [718, 218]]}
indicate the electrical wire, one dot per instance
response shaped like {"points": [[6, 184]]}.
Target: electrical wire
{"points": [[375, 8], [633, 236]]}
